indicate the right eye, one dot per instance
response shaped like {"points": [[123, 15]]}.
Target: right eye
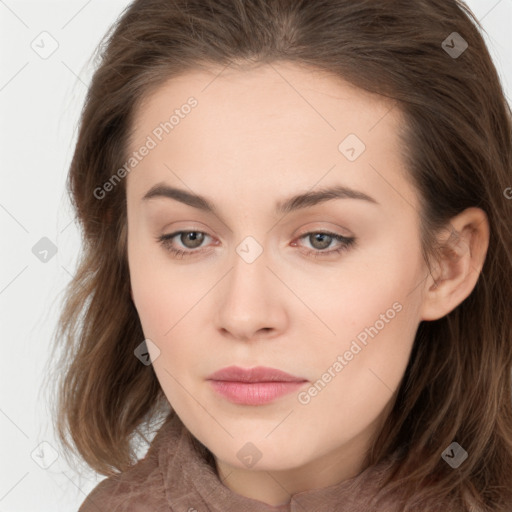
{"points": [[195, 238]]}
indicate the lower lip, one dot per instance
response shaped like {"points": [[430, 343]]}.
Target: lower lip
{"points": [[254, 393]]}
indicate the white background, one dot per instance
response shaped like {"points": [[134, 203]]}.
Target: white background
{"points": [[40, 102]]}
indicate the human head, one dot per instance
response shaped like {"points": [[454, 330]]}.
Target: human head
{"points": [[455, 144]]}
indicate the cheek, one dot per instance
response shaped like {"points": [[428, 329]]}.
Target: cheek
{"points": [[373, 313], [357, 376], [374, 281], [155, 298], [167, 302], [159, 307]]}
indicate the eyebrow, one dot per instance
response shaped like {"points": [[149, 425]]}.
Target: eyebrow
{"points": [[296, 202]]}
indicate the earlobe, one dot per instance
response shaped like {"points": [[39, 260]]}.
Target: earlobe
{"points": [[462, 258]]}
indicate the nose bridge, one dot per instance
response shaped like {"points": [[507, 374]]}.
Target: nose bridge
{"points": [[248, 299], [248, 282]]}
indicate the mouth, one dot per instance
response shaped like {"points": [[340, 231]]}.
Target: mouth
{"points": [[254, 386]]}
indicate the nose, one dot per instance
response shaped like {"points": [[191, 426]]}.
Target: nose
{"points": [[250, 301]]}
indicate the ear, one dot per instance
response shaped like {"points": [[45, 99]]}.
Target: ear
{"points": [[462, 258]]}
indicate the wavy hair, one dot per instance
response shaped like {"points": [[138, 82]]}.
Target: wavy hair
{"points": [[457, 142]]}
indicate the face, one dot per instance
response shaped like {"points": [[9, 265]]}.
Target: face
{"points": [[325, 287]]}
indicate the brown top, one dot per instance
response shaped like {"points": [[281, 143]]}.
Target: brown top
{"points": [[176, 475]]}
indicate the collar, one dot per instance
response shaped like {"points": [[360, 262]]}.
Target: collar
{"points": [[192, 484]]}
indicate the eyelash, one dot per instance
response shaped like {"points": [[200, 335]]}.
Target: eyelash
{"points": [[346, 243]]}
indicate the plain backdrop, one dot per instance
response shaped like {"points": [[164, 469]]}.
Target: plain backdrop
{"points": [[46, 64]]}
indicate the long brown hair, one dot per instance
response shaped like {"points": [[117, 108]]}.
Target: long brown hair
{"points": [[457, 142]]}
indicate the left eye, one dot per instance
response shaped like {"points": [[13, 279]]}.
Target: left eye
{"points": [[325, 239], [193, 239]]}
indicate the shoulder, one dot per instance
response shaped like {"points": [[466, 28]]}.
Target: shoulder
{"points": [[141, 487], [138, 489]]}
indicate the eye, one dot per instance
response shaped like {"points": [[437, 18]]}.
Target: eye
{"points": [[321, 240], [190, 239]]}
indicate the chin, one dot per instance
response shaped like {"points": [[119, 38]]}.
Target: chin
{"points": [[260, 455]]}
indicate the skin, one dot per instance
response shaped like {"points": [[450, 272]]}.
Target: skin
{"points": [[256, 138]]}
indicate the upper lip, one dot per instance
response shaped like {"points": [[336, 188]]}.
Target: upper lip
{"points": [[257, 374]]}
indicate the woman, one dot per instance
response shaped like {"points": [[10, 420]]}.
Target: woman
{"points": [[296, 224]]}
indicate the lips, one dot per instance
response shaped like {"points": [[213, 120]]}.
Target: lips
{"points": [[254, 386], [257, 374]]}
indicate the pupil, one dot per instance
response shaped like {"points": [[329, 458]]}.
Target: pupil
{"points": [[194, 236], [323, 239]]}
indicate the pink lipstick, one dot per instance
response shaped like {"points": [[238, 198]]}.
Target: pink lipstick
{"points": [[253, 386]]}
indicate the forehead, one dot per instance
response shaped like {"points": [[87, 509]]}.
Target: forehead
{"points": [[259, 100], [266, 128]]}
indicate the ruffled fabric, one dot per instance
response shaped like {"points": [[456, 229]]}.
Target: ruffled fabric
{"points": [[178, 475]]}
